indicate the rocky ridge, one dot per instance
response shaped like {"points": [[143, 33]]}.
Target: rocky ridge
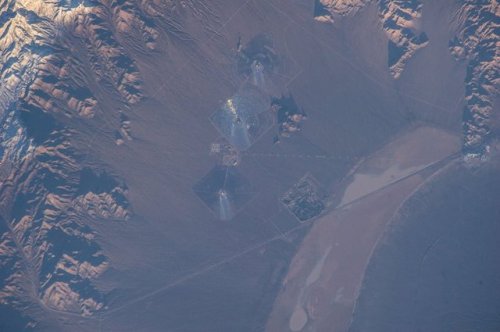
{"points": [[56, 39], [476, 42], [48, 201], [399, 20]]}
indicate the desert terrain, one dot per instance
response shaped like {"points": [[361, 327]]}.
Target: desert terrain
{"points": [[193, 165], [324, 280]]}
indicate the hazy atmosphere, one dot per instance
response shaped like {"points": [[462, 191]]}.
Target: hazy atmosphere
{"points": [[249, 165]]}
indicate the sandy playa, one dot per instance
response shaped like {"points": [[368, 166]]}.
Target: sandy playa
{"points": [[320, 290]]}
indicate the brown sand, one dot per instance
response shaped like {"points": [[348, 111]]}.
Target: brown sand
{"points": [[320, 290]]}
